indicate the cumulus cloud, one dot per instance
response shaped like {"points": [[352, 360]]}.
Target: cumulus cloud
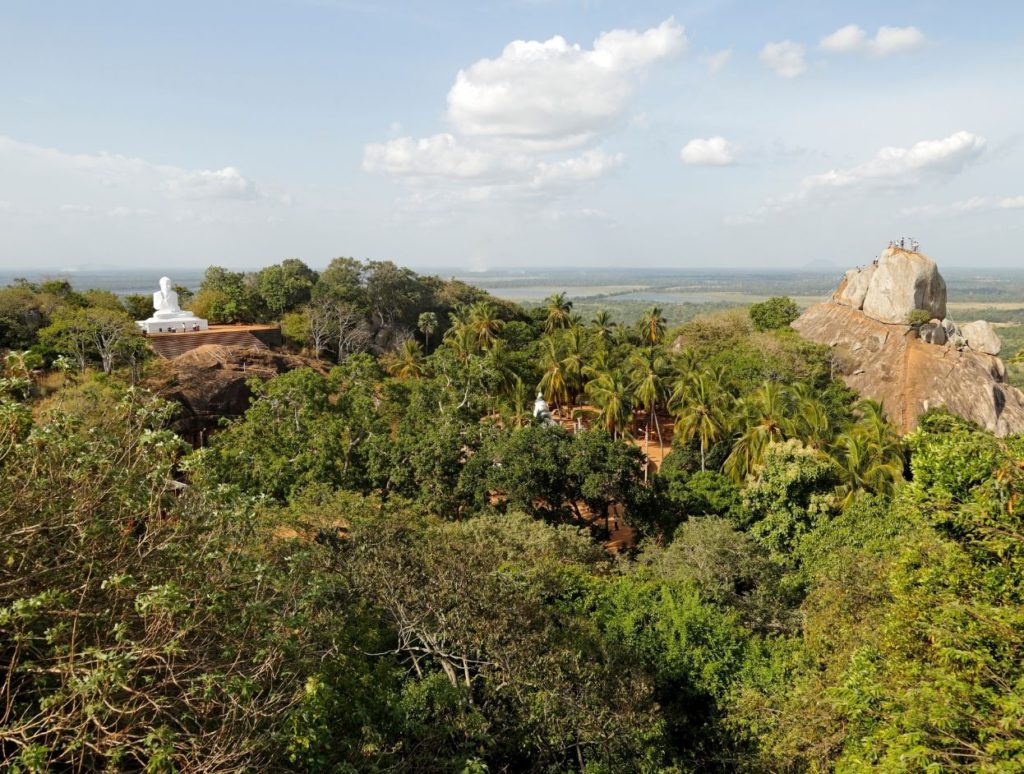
{"points": [[845, 40], [226, 183], [554, 91], [786, 58], [891, 167], [439, 156], [714, 151], [717, 61], [887, 40], [515, 119], [904, 166]]}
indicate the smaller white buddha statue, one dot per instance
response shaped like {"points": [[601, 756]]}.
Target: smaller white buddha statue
{"points": [[168, 316], [541, 411]]}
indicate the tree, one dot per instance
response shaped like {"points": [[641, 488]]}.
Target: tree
{"points": [[285, 286], [227, 297], [406, 362], [610, 394], [427, 324], [652, 326], [699, 405], [553, 381], [763, 420], [485, 324], [602, 326], [777, 312], [558, 310], [138, 306], [94, 332], [648, 368]]}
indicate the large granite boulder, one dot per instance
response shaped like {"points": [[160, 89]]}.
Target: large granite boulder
{"points": [[981, 337], [854, 287], [211, 382], [902, 282], [890, 364]]}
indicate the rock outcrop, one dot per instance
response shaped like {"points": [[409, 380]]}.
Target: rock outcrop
{"points": [[981, 336], [894, 286], [210, 382], [910, 369]]}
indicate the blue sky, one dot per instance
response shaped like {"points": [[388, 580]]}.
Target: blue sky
{"points": [[615, 134]]}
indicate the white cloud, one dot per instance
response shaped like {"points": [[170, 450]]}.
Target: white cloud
{"points": [[226, 183], [716, 62], [714, 151], [439, 156], [904, 166], [966, 206], [587, 166], [115, 170], [4, 205], [556, 92], [514, 118], [845, 40], [891, 167], [786, 58], [896, 40], [129, 212], [887, 41]]}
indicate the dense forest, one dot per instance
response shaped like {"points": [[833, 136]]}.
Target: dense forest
{"points": [[390, 564]]}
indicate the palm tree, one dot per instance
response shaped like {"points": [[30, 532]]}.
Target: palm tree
{"points": [[406, 362], [559, 309], [869, 456], [427, 324], [811, 420], [574, 360], [764, 420], [652, 326], [552, 382], [610, 393], [699, 405], [648, 367], [485, 323], [460, 336], [602, 326]]}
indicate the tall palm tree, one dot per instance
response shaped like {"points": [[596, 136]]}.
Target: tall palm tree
{"points": [[427, 323], [485, 323], [764, 420], [602, 326], [652, 326], [610, 393], [460, 336], [812, 423], [700, 407], [552, 382], [558, 308], [574, 360], [648, 368], [869, 455]]}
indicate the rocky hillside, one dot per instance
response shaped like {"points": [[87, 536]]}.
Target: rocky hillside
{"points": [[211, 382], [894, 342]]}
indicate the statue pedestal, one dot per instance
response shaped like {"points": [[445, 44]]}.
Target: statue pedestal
{"points": [[184, 323]]}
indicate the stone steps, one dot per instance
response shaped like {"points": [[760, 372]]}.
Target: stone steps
{"points": [[171, 345]]}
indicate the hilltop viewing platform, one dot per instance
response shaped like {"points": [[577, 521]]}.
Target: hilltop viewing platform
{"points": [[170, 345]]}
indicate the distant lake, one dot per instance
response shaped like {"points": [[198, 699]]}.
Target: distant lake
{"points": [[122, 283]]}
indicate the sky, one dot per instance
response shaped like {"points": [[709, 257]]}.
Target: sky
{"points": [[515, 135]]}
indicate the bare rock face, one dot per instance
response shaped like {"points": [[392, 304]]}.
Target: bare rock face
{"points": [[854, 287], [901, 282], [907, 375], [981, 337], [211, 382]]}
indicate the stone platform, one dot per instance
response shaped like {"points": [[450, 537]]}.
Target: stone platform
{"points": [[171, 345]]}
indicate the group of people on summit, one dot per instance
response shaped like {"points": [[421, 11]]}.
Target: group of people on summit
{"points": [[902, 244]]}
